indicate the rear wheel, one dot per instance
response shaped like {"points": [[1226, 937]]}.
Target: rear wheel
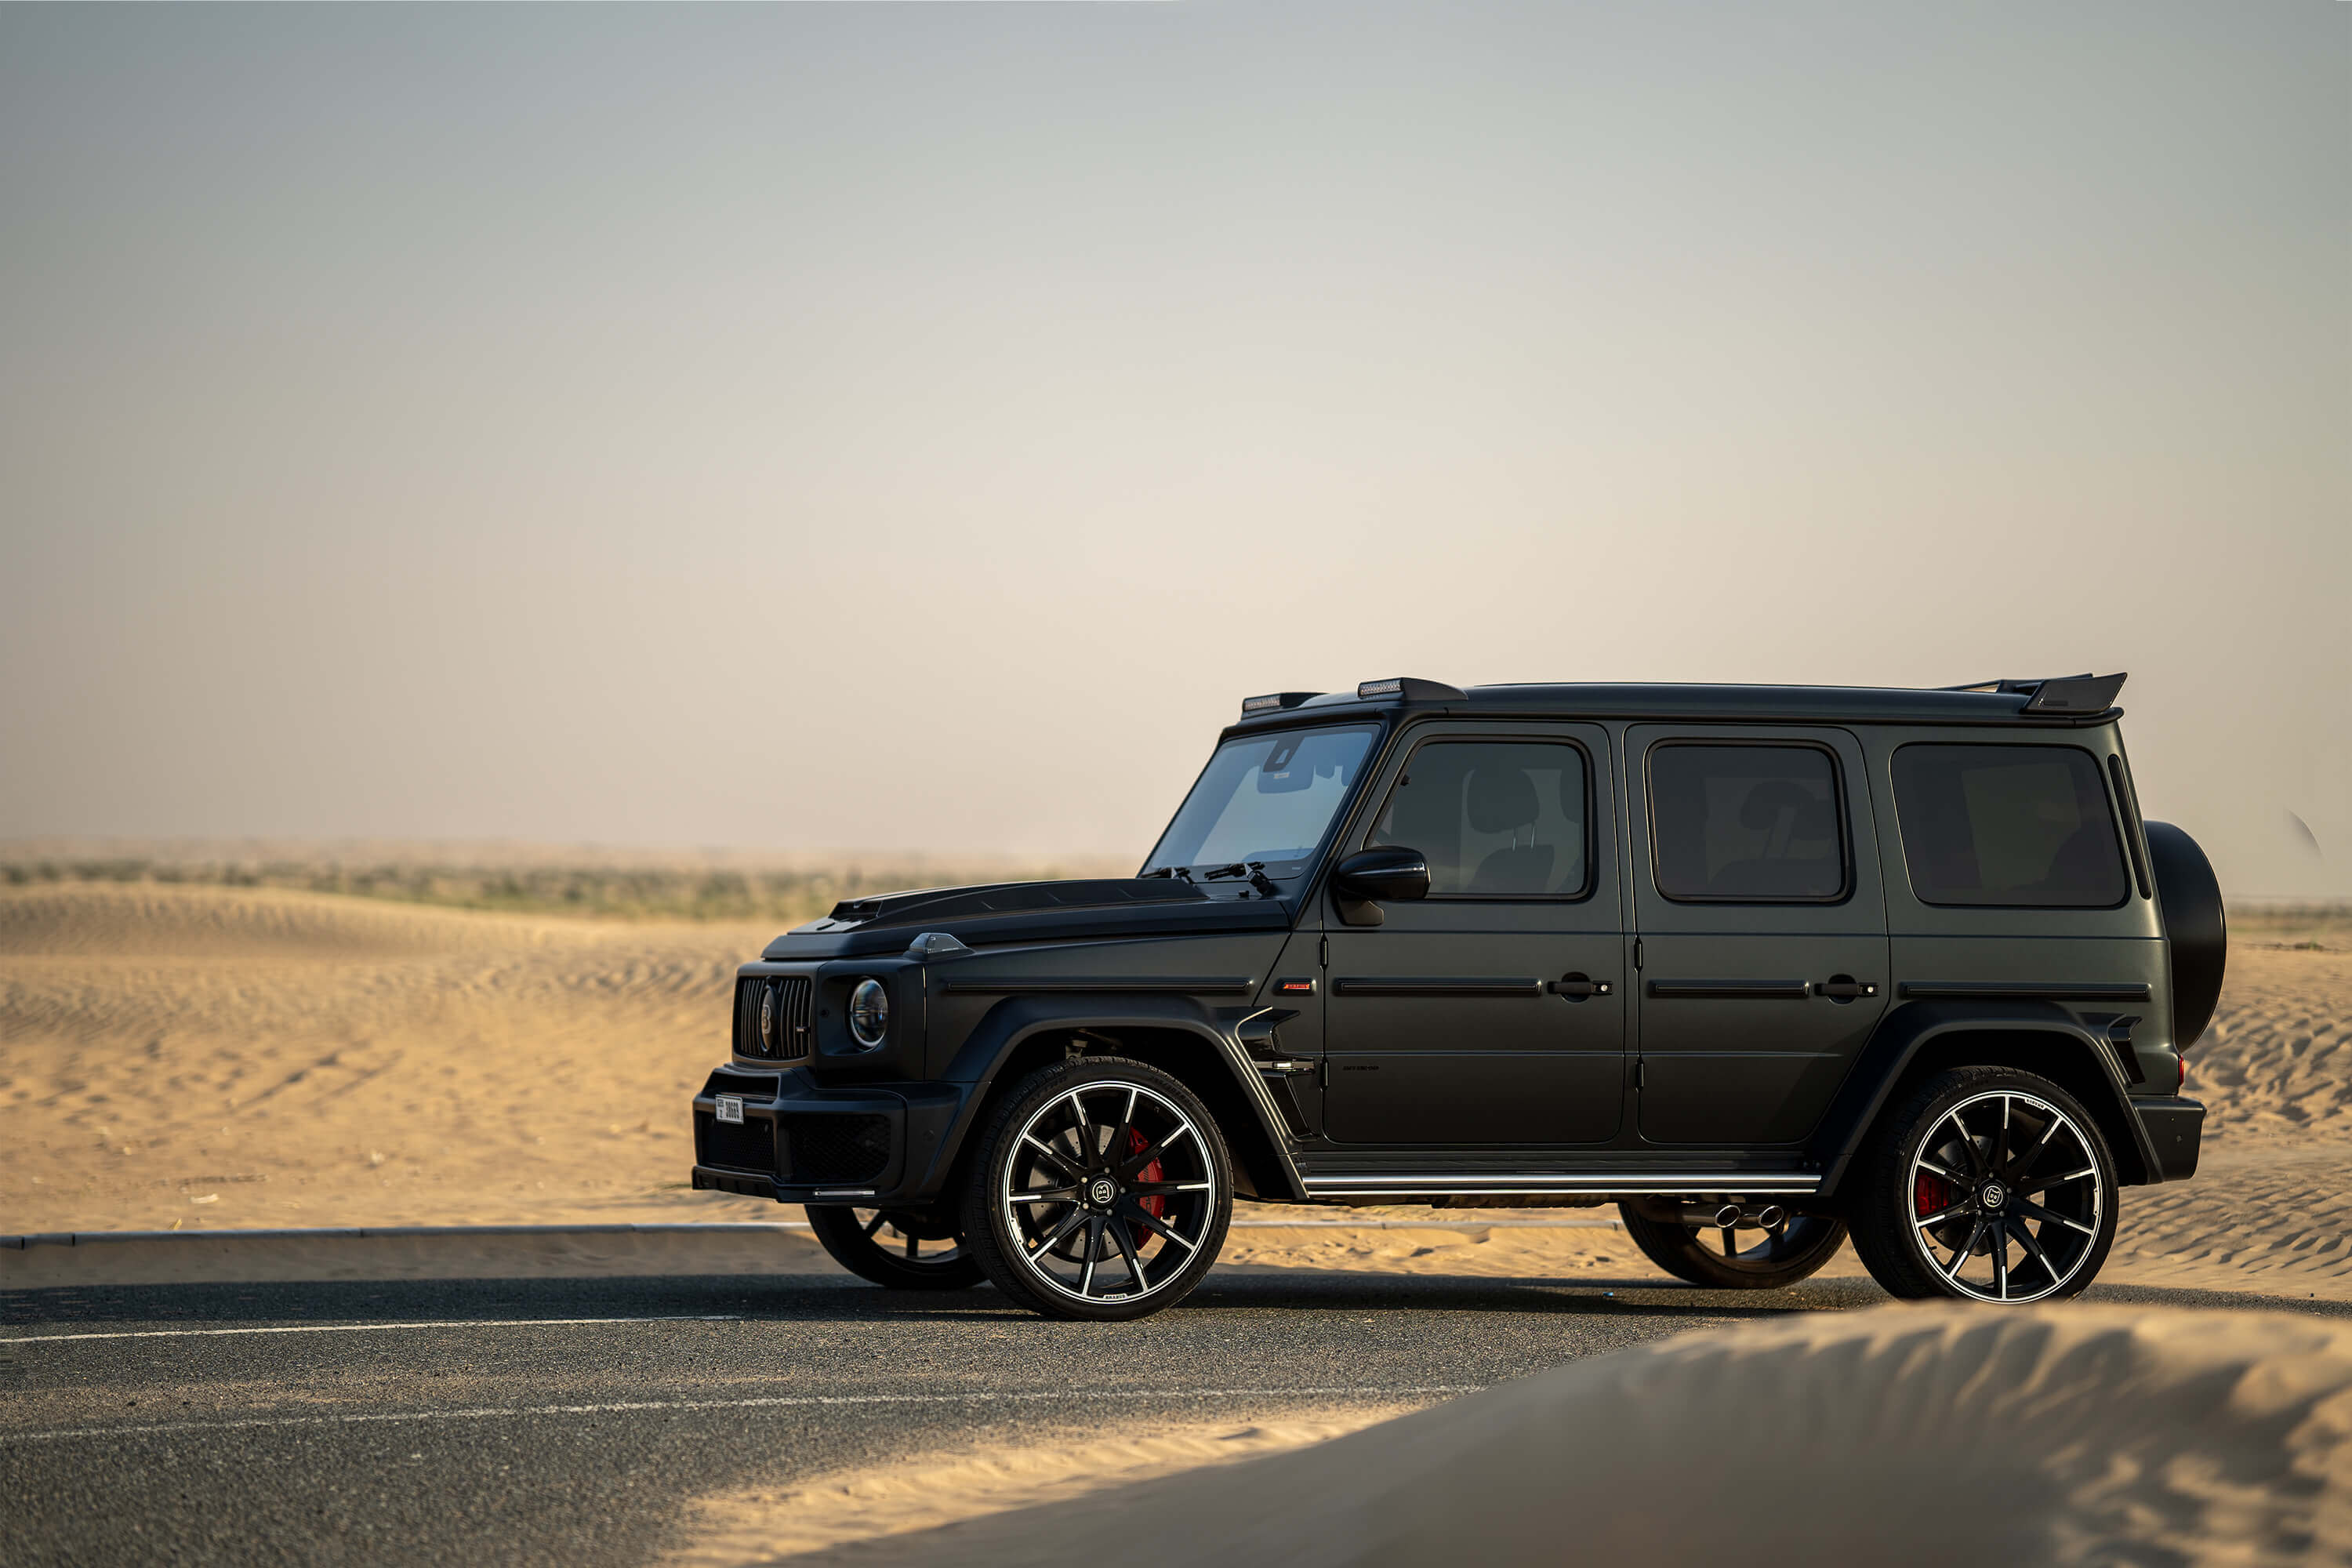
{"points": [[905, 1249], [1101, 1189], [1986, 1184], [1747, 1256]]}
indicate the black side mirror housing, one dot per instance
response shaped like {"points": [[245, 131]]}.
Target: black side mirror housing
{"points": [[1389, 874]]}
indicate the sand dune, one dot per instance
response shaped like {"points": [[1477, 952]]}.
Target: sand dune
{"points": [[241, 1058], [1919, 1436], [926, 1491], [221, 1057]]}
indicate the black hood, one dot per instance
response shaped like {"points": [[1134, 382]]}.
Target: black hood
{"points": [[1026, 911]]}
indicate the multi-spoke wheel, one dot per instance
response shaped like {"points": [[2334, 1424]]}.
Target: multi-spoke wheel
{"points": [[905, 1249], [1764, 1248], [1102, 1190], [1989, 1185]]}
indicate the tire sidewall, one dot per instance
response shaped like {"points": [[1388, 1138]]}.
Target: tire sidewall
{"points": [[837, 1231], [1881, 1222], [997, 1247], [1680, 1250]]}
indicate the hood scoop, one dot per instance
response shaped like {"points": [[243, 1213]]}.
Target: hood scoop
{"points": [[935, 904]]}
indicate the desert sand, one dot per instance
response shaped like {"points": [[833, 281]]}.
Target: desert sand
{"points": [[224, 1057], [1916, 1435]]}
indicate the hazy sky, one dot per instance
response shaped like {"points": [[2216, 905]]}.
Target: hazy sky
{"points": [[903, 426]]}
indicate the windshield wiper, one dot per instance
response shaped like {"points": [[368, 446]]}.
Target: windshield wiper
{"points": [[1178, 872], [1254, 869]]}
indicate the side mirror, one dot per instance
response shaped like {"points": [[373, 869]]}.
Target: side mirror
{"points": [[1371, 878]]}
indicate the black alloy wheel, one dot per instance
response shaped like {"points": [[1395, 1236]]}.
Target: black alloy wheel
{"points": [[1747, 1256], [904, 1249], [1102, 1191], [1988, 1184]]}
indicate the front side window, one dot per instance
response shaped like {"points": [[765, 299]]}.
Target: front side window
{"points": [[1263, 804], [1497, 819], [2025, 826], [1746, 823]]}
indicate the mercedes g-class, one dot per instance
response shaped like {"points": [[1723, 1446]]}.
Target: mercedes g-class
{"points": [[1767, 967]]}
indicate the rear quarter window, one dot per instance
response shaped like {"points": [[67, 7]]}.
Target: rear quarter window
{"points": [[2015, 826]]}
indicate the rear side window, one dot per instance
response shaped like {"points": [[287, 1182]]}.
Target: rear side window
{"points": [[1746, 823], [1497, 819], [2015, 825]]}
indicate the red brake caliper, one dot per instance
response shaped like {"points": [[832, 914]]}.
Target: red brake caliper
{"points": [[1155, 1205], [1932, 1194]]}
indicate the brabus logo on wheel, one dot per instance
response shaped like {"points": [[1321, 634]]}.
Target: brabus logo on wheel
{"points": [[1101, 1192]]}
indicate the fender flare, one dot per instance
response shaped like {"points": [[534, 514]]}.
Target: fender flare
{"points": [[1912, 1028], [1017, 1020]]}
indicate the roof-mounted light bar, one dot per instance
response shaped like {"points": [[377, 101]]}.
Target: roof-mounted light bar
{"points": [[2083, 693], [1273, 702], [1408, 688]]}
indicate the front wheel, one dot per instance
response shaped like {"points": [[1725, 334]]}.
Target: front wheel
{"points": [[1101, 1190], [905, 1250], [1985, 1185]]}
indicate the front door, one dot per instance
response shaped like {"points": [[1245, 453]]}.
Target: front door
{"points": [[1494, 1012], [1762, 931]]}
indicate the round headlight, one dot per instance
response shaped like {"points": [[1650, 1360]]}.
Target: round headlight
{"points": [[869, 1014]]}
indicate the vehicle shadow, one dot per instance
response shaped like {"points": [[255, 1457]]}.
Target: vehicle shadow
{"points": [[822, 1297], [1226, 1295]]}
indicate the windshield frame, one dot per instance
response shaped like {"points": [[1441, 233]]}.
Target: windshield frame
{"points": [[1377, 730]]}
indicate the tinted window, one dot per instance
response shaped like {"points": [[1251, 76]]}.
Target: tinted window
{"points": [[1498, 819], [1749, 823], [2007, 824]]}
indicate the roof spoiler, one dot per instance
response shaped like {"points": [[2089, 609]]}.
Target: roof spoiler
{"points": [[2083, 693]]}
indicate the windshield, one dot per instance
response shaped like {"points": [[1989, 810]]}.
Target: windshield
{"points": [[1263, 804]]}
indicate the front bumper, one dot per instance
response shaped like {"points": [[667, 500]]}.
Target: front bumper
{"points": [[2174, 1127], [800, 1143]]}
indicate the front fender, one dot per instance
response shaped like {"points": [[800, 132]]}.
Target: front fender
{"points": [[2044, 1035], [1017, 1020]]}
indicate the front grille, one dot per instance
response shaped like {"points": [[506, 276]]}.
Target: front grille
{"points": [[836, 1148], [786, 1006], [737, 1145]]}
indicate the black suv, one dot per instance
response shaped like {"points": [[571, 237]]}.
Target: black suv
{"points": [[1765, 966]]}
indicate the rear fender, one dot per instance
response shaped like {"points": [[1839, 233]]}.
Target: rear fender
{"points": [[1921, 1038], [1182, 1036]]}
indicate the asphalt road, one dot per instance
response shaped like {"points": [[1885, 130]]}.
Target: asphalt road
{"points": [[462, 1421]]}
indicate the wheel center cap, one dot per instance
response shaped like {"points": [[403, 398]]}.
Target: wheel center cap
{"points": [[1992, 1196], [1101, 1190]]}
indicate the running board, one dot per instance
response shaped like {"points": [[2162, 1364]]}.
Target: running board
{"points": [[1473, 1184]]}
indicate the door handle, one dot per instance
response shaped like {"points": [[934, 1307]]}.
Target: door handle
{"points": [[1577, 987], [1844, 988]]}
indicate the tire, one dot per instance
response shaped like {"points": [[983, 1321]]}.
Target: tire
{"points": [[1781, 1255], [856, 1239], [1953, 1198], [1100, 1190]]}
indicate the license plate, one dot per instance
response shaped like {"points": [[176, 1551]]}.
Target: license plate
{"points": [[730, 1108]]}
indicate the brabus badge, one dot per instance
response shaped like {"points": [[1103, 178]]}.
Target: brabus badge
{"points": [[768, 1018]]}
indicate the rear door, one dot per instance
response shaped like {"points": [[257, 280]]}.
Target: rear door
{"points": [[1761, 927], [1494, 1012]]}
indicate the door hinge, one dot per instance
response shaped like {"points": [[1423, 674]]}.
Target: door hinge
{"points": [[1323, 954], [1637, 1075], [1637, 952]]}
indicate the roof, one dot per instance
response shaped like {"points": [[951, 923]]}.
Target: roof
{"points": [[1691, 703]]}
